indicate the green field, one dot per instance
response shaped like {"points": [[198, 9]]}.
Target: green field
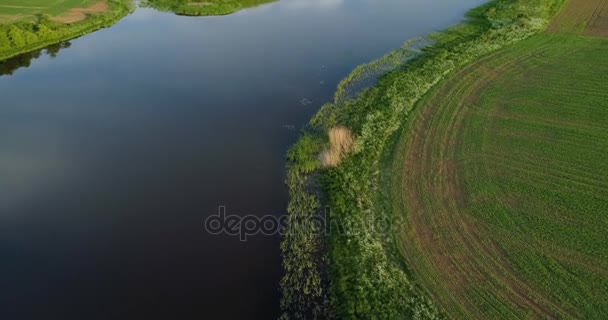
{"points": [[203, 7], [17, 10], [34, 24], [502, 178]]}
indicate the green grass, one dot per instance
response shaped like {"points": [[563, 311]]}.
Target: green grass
{"points": [[503, 179], [34, 24], [203, 7], [16, 10]]}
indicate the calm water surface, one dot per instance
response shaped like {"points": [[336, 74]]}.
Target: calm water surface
{"points": [[113, 153]]}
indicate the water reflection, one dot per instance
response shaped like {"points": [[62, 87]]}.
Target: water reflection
{"points": [[9, 66], [323, 4]]}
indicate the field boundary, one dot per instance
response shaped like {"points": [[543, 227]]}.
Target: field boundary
{"points": [[79, 14], [582, 17]]}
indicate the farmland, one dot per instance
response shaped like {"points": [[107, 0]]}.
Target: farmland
{"points": [[582, 17], [503, 180], [18, 10], [33, 24]]}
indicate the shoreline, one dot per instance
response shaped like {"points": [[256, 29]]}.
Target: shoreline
{"points": [[367, 275], [94, 22]]}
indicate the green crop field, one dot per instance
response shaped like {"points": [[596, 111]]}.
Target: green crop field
{"points": [[28, 25], [14, 10], [502, 177]]}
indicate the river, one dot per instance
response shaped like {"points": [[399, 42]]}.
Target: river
{"points": [[115, 149]]}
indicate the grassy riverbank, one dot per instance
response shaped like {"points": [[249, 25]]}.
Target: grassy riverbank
{"points": [[371, 267], [203, 7], [36, 24]]}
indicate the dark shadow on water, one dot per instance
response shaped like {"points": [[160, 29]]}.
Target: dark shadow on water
{"points": [[9, 66]]}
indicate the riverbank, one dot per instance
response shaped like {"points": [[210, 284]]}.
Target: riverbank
{"points": [[39, 30], [359, 271], [203, 8]]}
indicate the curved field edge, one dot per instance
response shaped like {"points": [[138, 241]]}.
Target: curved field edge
{"points": [[356, 270], [501, 178], [24, 36], [502, 184]]}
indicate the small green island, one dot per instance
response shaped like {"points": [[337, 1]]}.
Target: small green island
{"points": [[202, 7], [27, 26]]}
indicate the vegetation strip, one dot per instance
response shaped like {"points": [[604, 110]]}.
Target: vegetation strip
{"points": [[28, 28], [367, 274], [203, 7]]}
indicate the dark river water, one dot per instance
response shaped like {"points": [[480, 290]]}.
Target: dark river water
{"points": [[114, 151]]}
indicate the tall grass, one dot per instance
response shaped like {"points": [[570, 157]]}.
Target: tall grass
{"points": [[340, 145]]}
